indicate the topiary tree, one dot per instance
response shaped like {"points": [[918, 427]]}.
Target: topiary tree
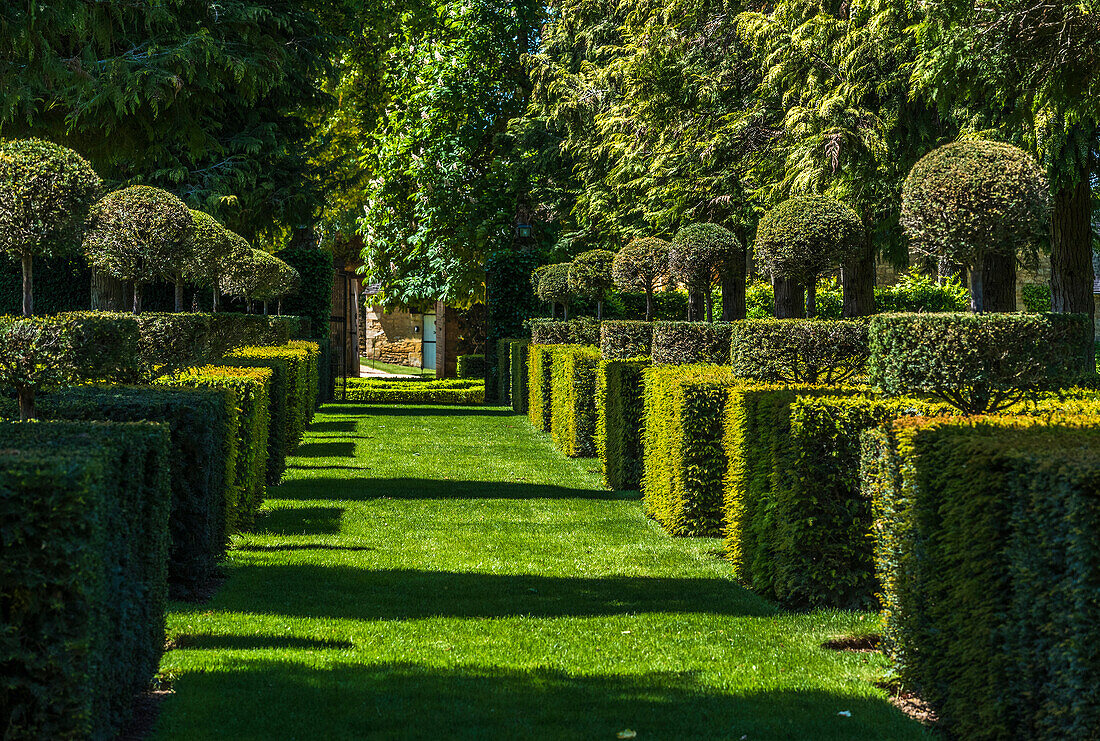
{"points": [[801, 239], [642, 266], [46, 192], [590, 276], [973, 202], [536, 278], [703, 253], [554, 286], [214, 252], [140, 234], [259, 277]]}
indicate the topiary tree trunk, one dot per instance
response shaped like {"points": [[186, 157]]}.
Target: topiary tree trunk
{"points": [[857, 278], [733, 297], [28, 284], [179, 294], [137, 298], [649, 303], [26, 403], [811, 299], [999, 283], [1071, 281], [789, 299]]}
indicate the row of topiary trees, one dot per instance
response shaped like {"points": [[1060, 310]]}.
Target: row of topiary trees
{"points": [[973, 206], [51, 206]]}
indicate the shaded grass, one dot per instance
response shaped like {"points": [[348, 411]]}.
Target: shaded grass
{"points": [[443, 573]]}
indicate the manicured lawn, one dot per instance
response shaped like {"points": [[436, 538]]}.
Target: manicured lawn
{"points": [[444, 573]]}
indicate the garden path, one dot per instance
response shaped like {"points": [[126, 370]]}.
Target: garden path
{"points": [[444, 573]]}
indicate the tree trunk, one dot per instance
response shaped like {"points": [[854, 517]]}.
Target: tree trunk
{"points": [[216, 300], [999, 283], [733, 297], [857, 277], [599, 310], [179, 296], [789, 302], [1071, 252], [565, 311], [108, 294], [28, 284], [26, 403], [696, 305], [811, 299], [265, 308], [709, 299], [649, 303], [977, 299], [137, 298], [279, 307]]}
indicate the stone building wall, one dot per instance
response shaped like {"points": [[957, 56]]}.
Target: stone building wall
{"points": [[394, 336]]}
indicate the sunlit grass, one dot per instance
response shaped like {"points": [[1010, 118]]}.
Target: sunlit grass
{"points": [[444, 573]]}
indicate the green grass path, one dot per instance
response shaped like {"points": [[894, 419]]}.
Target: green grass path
{"points": [[444, 573]]}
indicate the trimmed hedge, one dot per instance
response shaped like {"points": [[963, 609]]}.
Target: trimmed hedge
{"points": [[987, 551], [297, 327], [685, 463], [470, 366], [625, 339], [85, 554], [504, 372], [203, 426], [251, 393], [571, 332], [314, 359], [807, 351], [978, 362], [539, 359], [573, 397], [687, 343], [462, 392], [293, 395], [620, 419], [520, 387]]}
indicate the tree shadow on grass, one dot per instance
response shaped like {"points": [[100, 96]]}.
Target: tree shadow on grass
{"points": [[255, 642], [342, 449], [333, 426], [365, 488], [268, 699], [288, 547], [300, 521], [347, 592]]}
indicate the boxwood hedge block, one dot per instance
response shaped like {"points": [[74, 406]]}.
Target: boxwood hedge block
{"points": [[800, 350], [626, 339], [620, 419], [986, 549], [518, 366], [85, 510], [471, 366], [463, 392], [504, 372], [685, 463], [686, 343], [251, 393], [203, 429], [573, 401], [539, 367], [978, 362], [571, 332]]}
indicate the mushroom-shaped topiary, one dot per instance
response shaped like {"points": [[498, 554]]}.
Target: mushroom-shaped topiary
{"points": [[554, 286], [642, 266], [46, 192], [590, 276], [214, 252], [702, 253], [280, 280], [140, 234], [536, 278], [259, 277], [804, 237], [971, 200]]}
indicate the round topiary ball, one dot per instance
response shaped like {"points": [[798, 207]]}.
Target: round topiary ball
{"points": [[554, 284], [590, 273], [803, 237], [641, 265], [536, 277], [139, 234], [699, 251], [974, 198], [46, 192]]}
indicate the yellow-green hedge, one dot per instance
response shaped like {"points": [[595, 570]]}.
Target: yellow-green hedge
{"points": [[573, 400], [251, 395], [987, 550], [539, 366], [684, 461], [620, 418]]}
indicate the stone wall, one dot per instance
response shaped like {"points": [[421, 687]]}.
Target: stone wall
{"points": [[394, 336]]}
